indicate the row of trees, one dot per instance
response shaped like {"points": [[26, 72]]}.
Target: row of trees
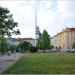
{"points": [[22, 47], [43, 43]]}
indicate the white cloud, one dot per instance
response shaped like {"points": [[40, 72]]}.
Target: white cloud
{"points": [[47, 4], [52, 15], [24, 15]]}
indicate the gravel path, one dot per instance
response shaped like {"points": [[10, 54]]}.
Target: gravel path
{"points": [[6, 61]]}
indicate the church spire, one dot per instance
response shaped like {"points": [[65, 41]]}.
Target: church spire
{"points": [[37, 30]]}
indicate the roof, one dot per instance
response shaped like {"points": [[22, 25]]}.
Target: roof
{"points": [[22, 39], [71, 29]]}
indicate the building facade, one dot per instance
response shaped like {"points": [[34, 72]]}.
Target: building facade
{"points": [[16, 41], [64, 39]]}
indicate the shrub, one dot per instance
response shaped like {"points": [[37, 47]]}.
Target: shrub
{"points": [[24, 46], [33, 49]]}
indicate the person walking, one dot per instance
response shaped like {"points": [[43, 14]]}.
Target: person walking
{"points": [[9, 52]]}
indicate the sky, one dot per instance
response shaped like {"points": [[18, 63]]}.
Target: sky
{"points": [[52, 15]]}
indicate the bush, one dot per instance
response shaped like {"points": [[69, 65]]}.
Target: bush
{"points": [[33, 49], [24, 46]]}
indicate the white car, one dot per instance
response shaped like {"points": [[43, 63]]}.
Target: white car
{"points": [[71, 50]]}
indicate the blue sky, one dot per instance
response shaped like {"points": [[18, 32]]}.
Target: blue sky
{"points": [[52, 15]]}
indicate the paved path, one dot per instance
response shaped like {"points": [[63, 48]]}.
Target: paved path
{"points": [[6, 61]]}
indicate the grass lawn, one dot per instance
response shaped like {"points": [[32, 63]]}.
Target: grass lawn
{"points": [[44, 63]]}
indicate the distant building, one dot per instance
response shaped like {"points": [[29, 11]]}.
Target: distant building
{"points": [[64, 39], [16, 41]]}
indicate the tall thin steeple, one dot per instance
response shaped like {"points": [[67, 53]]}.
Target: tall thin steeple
{"points": [[35, 18], [37, 30]]}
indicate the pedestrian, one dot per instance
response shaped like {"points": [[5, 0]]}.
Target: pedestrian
{"points": [[9, 52]]}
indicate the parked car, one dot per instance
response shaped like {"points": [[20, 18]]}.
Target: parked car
{"points": [[71, 50]]}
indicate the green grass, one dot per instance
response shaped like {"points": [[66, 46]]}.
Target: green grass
{"points": [[47, 63]]}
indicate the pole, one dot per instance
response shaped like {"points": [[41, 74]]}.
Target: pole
{"points": [[35, 27]]}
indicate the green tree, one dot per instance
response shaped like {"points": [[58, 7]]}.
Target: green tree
{"points": [[73, 45], [7, 25], [5, 45], [44, 41], [24, 46]]}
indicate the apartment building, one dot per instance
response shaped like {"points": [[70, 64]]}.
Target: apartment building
{"points": [[64, 39]]}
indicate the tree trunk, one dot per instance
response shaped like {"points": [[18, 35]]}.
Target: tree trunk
{"points": [[2, 45]]}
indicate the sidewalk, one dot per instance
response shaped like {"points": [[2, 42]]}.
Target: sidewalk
{"points": [[7, 61]]}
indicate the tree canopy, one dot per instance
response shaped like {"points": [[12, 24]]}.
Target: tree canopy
{"points": [[24, 46], [7, 24], [44, 41]]}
